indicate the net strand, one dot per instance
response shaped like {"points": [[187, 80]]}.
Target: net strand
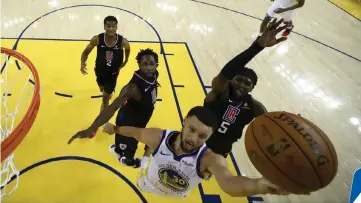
{"points": [[11, 174], [18, 102], [6, 93], [5, 96], [8, 170]]}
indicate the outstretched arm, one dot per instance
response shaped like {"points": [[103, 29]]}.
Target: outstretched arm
{"points": [[234, 66], [149, 136], [84, 55], [236, 186], [239, 186], [129, 91]]}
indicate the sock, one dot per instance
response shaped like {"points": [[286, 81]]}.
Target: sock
{"points": [[144, 161]]}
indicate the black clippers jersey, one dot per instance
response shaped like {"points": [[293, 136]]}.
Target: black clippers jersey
{"points": [[232, 119], [109, 57], [141, 111]]}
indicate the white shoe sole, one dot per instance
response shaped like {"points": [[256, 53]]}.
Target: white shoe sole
{"points": [[112, 150]]}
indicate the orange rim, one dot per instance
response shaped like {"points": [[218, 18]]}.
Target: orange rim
{"points": [[17, 135]]}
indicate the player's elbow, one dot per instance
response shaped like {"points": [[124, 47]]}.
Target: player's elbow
{"points": [[85, 53], [301, 3], [110, 110], [219, 83]]}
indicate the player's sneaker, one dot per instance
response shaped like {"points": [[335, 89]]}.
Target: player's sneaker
{"points": [[122, 160], [287, 31], [135, 163], [118, 156]]}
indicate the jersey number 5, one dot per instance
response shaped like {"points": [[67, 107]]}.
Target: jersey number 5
{"points": [[224, 127]]}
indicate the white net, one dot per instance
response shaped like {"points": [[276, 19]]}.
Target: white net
{"points": [[17, 90]]}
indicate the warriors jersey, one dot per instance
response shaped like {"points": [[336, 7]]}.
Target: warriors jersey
{"points": [[170, 174]]}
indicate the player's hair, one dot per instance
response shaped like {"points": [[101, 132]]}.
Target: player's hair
{"points": [[110, 19], [145, 52], [205, 115], [250, 74]]}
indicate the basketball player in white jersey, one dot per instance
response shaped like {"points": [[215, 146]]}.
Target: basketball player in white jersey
{"points": [[181, 160], [286, 8]]}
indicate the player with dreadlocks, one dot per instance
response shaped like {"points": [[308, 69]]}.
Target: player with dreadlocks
{"points": [[230, 99], [136, 103]]}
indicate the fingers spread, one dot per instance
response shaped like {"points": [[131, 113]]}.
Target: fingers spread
{"points": [[281, 39], [281, 28]]}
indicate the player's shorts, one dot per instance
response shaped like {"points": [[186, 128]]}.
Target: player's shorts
{"points": [[219, 147], [107, 80], [287, 16], [129, 145]]}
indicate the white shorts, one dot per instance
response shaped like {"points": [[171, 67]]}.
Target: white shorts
{"points": [[287, 16]]}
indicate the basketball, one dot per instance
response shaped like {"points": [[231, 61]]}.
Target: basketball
{"points": [[291, 152]]}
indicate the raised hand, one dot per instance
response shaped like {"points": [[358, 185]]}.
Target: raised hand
{"points": [[268, 37]]}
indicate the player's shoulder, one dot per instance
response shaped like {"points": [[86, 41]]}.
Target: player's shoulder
{"points": [[132, 86], [167, 132], [99, 35], [257, 103], [214, 96], [95, 40], [124, 40]]}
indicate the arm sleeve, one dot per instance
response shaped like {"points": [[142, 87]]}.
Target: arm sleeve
{"points": [[238, 63]]}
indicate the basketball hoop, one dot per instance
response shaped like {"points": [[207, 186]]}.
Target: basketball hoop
{"points": [[14, 127]]}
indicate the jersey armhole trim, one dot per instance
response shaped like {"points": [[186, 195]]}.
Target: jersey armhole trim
{"points": [[198, 165], [160, 143]]}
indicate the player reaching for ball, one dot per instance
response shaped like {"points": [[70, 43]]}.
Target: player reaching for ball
{"points": [[181, 159], [229, 98], [136, 104]]}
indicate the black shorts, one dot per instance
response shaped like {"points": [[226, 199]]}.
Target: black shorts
{"points": [[219, 147], [107, 80], [127, 146]]}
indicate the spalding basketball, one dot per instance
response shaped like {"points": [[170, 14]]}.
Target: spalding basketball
{"points": [[291, 152]]}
